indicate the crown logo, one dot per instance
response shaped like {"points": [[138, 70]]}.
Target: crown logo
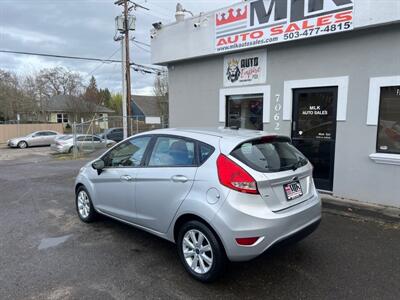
{"points": [[233, 63], [232, 16]]}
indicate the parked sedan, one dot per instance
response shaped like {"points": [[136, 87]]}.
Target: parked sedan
{"points": [[115, 134], [218, 194], [38, 138], [65, 144]]}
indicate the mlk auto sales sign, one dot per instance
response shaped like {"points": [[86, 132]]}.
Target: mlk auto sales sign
{"points": [[262, 22]]}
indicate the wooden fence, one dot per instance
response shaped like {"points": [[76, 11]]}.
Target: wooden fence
{"points": [[16, 130]]}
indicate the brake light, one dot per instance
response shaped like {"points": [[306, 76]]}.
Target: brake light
{"points": [[234, 176]]}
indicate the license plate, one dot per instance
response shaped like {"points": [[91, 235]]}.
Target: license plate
{"points": [[293, 190]]}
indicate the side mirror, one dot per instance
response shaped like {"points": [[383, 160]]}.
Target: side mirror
{"points": [[99, 166]]}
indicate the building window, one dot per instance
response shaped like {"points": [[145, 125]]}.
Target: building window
{"points": [[389, 120], [62, 118], [245, 111]]}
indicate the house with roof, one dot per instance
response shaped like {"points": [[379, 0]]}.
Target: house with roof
{"points": [[150, 107], [67, 109]]}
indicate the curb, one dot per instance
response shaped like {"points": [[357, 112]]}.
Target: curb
{"points": [[346, 206]]}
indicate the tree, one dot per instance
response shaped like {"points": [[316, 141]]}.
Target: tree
{"points": [[57, 81], [161, 90], [92, 93], [13, 99], [105, 97], [116, 104], [161, 85]]}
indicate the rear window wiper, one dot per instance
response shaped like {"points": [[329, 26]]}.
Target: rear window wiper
{"points": [[301, 162]]}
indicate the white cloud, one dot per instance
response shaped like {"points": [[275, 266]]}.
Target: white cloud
{"points": [[145, 91], [28, 36]]}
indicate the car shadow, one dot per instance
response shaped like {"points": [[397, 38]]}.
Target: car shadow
{"points": [[282, 263]]}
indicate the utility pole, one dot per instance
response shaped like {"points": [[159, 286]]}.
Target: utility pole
{"points": [[124, 24], [127, 67]]}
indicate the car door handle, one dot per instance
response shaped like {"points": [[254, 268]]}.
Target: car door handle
{"points": [[126, 178], [179, 178]]}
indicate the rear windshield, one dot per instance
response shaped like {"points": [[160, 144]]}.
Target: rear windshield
{"points": [[65, 137], [270, 154]]}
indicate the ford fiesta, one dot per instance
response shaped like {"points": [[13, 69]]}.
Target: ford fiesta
{"points": [[220, 194]]}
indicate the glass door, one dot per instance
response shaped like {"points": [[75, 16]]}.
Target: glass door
{"points": [[314, 130]]}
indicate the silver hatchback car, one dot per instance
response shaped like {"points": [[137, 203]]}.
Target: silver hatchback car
{"points": [[219, 194]]}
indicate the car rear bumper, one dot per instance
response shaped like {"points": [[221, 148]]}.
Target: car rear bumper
{"points": [[58, 149], [270, 228]]}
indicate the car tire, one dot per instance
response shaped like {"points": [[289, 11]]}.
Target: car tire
{"points": [[71, 150], [205, 261], [22, 145], [84, 206]]}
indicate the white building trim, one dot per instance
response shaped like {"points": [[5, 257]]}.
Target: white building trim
{"points": [[256, 89], [341, 82], [375, 84], [386, 158]]}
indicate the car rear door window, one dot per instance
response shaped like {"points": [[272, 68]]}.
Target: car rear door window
{"points": [[127, 154], [269, 154], [205, 152], [172, 152]]}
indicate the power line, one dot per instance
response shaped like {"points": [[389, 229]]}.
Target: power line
{"points": [[61, 56], [102, 63], [141, 43], [141, 48], [108, 60]]}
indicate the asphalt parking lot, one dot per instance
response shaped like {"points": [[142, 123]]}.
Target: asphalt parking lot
{"points": [[47, 253]]}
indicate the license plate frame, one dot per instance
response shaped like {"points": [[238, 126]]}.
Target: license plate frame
{"points": [[292, 190]]}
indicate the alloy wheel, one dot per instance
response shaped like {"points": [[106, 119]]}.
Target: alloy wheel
{"points": [[197, 251], [83, 204], [22, 145]]}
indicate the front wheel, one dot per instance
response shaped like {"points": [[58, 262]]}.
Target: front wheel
{"points": [[200, 251], [22, 145], [84, 206]]}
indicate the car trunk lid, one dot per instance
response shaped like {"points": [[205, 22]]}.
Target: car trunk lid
{"points": [[272, 188]]}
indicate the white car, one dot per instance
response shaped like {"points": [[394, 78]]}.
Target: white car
{"points": [[38, 138], [85, 142]]}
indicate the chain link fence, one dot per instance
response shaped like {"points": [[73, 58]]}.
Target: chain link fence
{"points": [[101, 133]]}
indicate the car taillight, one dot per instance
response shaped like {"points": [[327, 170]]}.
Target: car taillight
{"points": [[234, 176]]}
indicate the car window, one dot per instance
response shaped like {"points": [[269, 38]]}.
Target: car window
{"points": [[39, 134], [171, 152], [66, 137], [80, 138], [205, 152], [269, 154], [50, 133], [128, 154]]}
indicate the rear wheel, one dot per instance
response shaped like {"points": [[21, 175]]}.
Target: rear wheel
{"points": [[84, 206], [200, 251], [72, 149], [22, 145]]}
